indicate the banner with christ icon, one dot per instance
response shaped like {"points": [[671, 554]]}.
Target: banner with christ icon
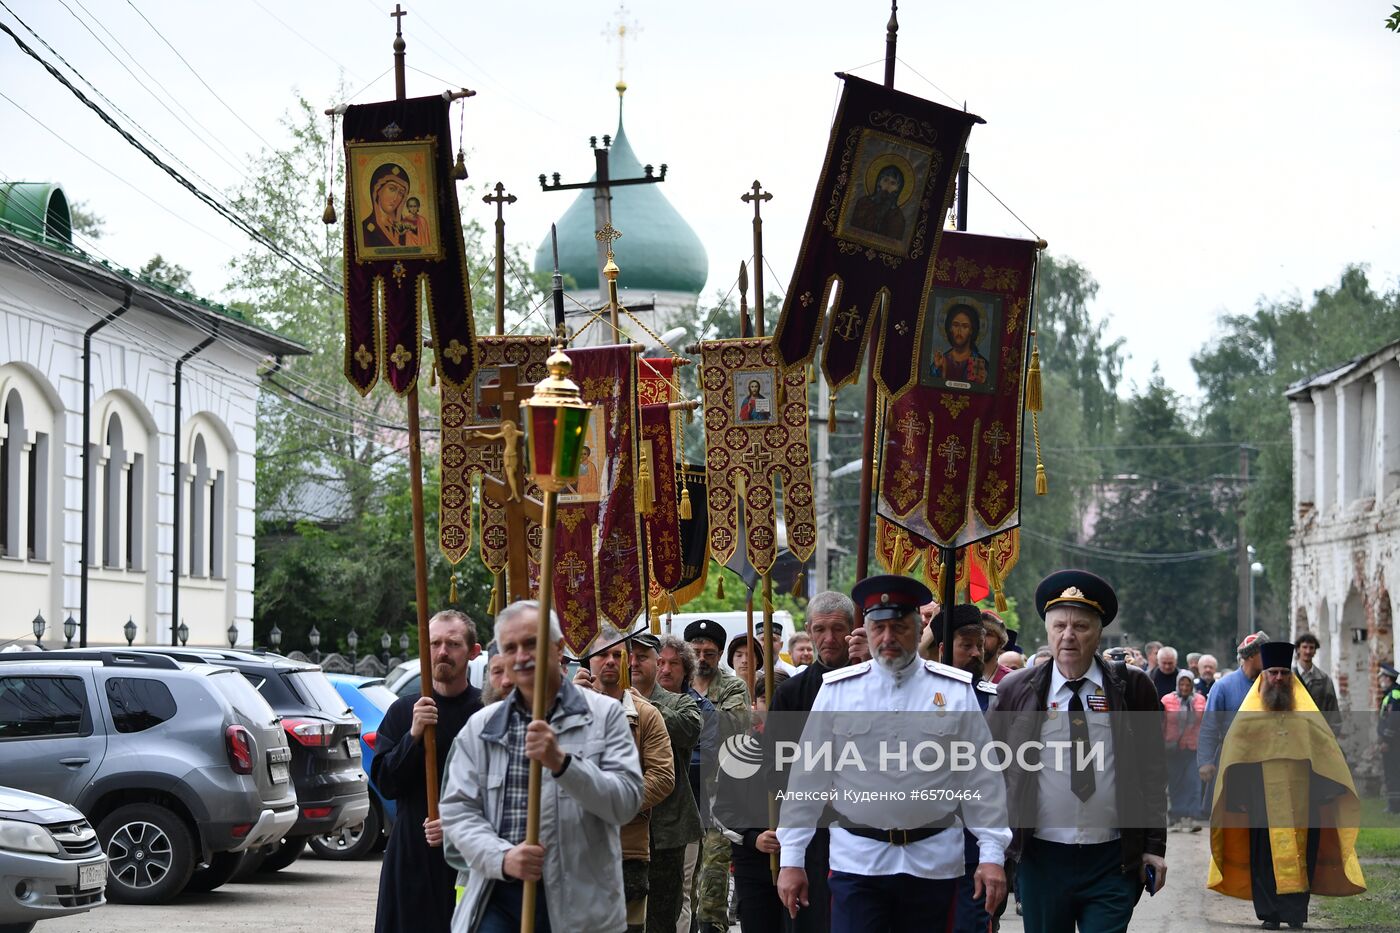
{"points": [[597, 563], [874, 228], [950, 465], [756, 444], [403, 246], [507, 368]]}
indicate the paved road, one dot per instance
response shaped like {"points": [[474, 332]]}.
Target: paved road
{"points": [[339, 897]]}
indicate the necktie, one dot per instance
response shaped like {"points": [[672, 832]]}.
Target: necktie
{"points": [[1081, 778]]}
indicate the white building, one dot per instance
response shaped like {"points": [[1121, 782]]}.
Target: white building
{"points": [[1346, 531], [51, 294]]}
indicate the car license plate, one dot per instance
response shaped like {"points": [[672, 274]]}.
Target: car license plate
{"points": [[278, 771], [92, 876], [352, 747]]}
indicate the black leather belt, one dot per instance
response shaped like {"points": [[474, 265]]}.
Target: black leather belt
{"points": [[902, 837]]}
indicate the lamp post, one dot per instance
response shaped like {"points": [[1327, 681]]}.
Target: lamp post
{"points": [[384, 642], [232, 634], [403, 645], [274, 638], [39, 625], [1256, 570], [556, 420], [353, 640], [70, 628], [129, 630], [183, 633], [314, 638]]}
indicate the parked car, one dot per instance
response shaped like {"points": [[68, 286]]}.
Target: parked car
{"points": [[181, 766], [51, 864], [369, 700], [324, 736], [403, 679]]}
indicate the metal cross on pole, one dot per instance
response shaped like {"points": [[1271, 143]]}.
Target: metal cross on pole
{"points": [[500, 199], [757, 196]]}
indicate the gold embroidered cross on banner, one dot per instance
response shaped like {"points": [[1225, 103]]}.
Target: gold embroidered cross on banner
{"points": [[400, 357], [952, 451], [455, 351], [996, 438], [912, 429], [364, 357]]}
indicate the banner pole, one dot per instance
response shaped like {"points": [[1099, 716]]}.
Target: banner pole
{"points": [[949, 555], [768, 651], [541, 702]]}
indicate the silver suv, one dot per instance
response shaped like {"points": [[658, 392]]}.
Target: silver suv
{"points": [[50, 862], [181, 767]]}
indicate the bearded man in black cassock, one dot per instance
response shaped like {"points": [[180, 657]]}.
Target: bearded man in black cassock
{"points": [[417, 888]]}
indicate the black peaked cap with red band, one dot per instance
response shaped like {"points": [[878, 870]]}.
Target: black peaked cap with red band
{"points": [[889, 596]]}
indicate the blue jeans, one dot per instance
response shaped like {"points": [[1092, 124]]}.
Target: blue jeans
{"points": [[503, 909]]}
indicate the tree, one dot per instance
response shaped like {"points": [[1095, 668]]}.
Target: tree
{"points": [[85, 221], [169, 274]]}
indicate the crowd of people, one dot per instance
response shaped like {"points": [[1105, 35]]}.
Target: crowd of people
{"points": [[636, 832]]}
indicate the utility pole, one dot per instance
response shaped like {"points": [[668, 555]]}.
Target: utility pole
{"points": [[1242, 574]]}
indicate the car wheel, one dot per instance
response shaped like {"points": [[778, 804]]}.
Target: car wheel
{"points": [[284, 854], [220, 870], [350, 842], [149, 851]]}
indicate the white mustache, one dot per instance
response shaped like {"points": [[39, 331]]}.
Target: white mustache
{"points": [[523, 666]]}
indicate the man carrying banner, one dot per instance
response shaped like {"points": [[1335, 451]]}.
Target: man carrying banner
{"points": [[894, 868], [1285, 814]]}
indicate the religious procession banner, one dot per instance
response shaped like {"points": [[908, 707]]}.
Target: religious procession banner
{"points": [[694, 536], [466, 454], [597, 566], [403, 246], [658, 498], [950, 468], [876, 219], [756, 441]]}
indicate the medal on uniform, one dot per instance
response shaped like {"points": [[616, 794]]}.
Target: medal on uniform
{"points": [[1054, 710], [1098, 703], [939, 702]]}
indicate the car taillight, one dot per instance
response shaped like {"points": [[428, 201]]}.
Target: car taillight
{"points": [[240, 749], [315, 813], [242, 829], [370, 738], [313, 733]]}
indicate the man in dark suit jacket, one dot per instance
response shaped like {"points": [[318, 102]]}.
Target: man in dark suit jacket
{"points": [[1090, 833]]}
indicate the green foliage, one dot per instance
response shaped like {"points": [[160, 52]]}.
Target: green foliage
{"points": [[86, 221], [1244, 373], [1392, 22], [170, 274]]}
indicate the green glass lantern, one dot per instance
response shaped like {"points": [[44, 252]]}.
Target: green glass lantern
{"points": [[556, 420]]}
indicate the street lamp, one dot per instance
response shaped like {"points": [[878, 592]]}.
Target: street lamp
{"points": [[274, 637], [314, 637], [39, 625], [556, 420], [1256, 570], [232, 634], [70, 628], [403, 645], [129, 630], [183, 633], [384, 642], [353, 640]]}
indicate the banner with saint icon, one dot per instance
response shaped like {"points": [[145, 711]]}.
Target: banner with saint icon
{"points": [[597, 555], [756, 444], [403, 246], [505, 364], [874, 227], [950, 464]]}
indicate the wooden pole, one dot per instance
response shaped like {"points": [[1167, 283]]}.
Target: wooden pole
{"points": [[768, 651], [541, 702], [415, 485]]}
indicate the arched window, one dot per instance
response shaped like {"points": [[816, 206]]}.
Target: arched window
{"points": [[24, 478], [205, 475], [114, 491], [118, 514]]}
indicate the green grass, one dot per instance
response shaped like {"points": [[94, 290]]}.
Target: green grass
{"points": [[1377, 909]]}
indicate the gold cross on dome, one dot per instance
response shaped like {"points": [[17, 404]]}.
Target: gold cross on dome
{"points": [[620, 30], [607, 235], [951, 450]]}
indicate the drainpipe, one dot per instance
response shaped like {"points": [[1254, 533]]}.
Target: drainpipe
{"points": [[175, 467], [86, 535]]}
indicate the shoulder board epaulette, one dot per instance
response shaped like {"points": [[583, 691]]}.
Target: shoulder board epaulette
{"points": [[855, 670], [947, 670], [986, 686]]}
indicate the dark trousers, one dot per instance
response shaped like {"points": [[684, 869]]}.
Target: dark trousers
{"points": [[1268, 903], [503, 909], [1065, 885], [1390, 759], [665, 880], [890, 903], [816, 916], [759, 909]]}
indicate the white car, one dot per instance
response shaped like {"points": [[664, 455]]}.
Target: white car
{"points": [[51, 864], [403, 680]]}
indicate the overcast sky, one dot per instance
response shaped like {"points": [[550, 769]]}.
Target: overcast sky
{"points": [[1193, 156]]}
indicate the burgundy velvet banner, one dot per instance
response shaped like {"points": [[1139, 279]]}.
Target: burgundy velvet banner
{"points": [[890, 169]]}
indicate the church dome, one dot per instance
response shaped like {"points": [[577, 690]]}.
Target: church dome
{"points": [[658, 250]]}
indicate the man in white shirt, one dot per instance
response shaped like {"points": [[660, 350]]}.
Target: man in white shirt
{"points": [[1090, 826], [894, 865]]}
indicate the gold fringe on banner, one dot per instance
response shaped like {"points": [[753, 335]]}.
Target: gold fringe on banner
{"points": [[684, 510], [1034, 398]]}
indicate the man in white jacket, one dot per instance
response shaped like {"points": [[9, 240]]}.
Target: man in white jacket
{"points": [[592, 785]]}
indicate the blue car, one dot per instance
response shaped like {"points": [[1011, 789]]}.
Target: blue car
{"points": [[368, 699]]}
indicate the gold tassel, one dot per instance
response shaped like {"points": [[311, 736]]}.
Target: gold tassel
{"points": [[646, 490], [811, 374], [495, 605], [685, 511], [328, 217], [799, 584], [1034, 399], [1042, 484], [897, 560], [719, 589], [994, 582], [831, 414], [452, 588], [432, 376], [459, 171], [655, 619]]}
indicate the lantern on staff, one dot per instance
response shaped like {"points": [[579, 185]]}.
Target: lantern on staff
{"points": [[555, 422]]}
